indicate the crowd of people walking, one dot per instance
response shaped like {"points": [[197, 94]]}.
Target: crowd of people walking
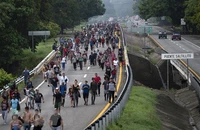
{"points": [[96, 45]]}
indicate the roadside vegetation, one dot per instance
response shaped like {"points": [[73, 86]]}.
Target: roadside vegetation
{"points": [[139, 112], [188, 9]]}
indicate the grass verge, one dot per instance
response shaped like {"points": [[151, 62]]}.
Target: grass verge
{"points": [[139, 112]]}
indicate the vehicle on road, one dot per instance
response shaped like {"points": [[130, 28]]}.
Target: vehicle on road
{"points": [[162, 35], [176, 36]]}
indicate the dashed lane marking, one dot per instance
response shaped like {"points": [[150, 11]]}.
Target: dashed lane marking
{"points": [[88, 68], [80, 83], [85, 76]]}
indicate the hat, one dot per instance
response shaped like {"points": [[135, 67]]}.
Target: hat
{"points": [[57, 88]]}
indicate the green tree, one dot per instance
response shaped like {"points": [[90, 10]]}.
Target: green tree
{"points": [[5, 78], [157, 8], [192, 15]]}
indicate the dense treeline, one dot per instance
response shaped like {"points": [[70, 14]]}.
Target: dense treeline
{"points": [[175, 9], [17, 17]]}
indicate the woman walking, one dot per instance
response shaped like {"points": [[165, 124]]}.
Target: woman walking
{"points": [[76, 93]]}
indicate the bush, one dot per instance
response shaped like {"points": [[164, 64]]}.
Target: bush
{"points": [[5, 78]]}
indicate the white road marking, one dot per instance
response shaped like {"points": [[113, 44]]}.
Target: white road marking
{"points": [[85, 76], [183, 49], [80, 83], [88, 68], [34, 89], [176, 44], [191, 43]]}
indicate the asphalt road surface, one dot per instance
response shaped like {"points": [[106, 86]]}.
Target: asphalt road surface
{"points": [[182, 46], [74, 118]]}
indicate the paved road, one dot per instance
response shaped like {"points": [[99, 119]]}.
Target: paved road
{"points": [[182, 46], [74, 118]]}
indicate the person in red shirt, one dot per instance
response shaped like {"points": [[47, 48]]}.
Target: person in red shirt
{"points": [[97, 79]]}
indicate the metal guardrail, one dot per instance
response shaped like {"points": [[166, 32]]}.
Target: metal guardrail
{"points": [[115, 109], [35, 71]]}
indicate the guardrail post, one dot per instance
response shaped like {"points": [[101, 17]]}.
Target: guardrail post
{"points": [[93, 127], [107, 119], [113, 115], [100, 124], [104, 122], [97, 125]]}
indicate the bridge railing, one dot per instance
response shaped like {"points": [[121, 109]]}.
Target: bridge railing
{"points": [[35, 71], [115, 110]]}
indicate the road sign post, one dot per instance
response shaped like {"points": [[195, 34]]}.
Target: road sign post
{"points": [[176, 56], [37, 33]]}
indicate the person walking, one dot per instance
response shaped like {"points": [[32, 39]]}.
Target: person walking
{"points": [[27, 119], [5, 94], [97, 79], [76, 93], [26, 75], [56, 121], [74, 61], [38, 100], [85, 89], [80, 60], [54, 82], [93, 90], [63, 90], [57, 99], [15, 124], [14, 105], [37, 120], [63, 62], [111, 89], [5, 108], [105, 86]]}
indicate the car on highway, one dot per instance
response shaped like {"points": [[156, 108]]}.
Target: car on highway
{"points": [[162, 35], [176, 36]]}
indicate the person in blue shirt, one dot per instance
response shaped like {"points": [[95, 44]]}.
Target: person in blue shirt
{"points": [[14, 103], [26, 75], [85, 89], [63, 90]]}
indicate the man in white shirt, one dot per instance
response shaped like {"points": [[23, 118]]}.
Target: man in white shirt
{"points": [[64, 79], [115, 62]]}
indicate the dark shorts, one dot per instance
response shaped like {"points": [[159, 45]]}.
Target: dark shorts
{"points": [[57, 104], [85, 95]]}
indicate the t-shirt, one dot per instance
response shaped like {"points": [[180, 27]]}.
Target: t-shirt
{"points": [[97, 79], [58, 97], [105, 84], [4, 105], [29, 84], [63, 89], [108, 70], [14, 103], [38, 98], [111, 86], [32, 93], [93, 86], [56, 70], [85, 88], [56, 120], [54, 81]]}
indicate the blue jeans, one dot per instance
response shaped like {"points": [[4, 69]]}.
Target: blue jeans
{"points": [[63, 66], [4, 115], [27, 126]]}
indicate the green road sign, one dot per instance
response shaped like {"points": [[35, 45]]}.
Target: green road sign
{"points": [[145, 29]]}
